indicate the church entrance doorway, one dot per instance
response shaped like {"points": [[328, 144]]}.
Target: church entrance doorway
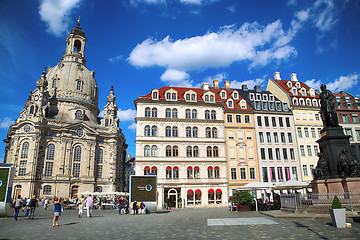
{"points": [[74, 191]]}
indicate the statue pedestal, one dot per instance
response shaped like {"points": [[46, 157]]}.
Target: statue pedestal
{"points": [[336, 185], [332, 142]]}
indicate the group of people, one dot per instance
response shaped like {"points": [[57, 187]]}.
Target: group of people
{"points": [[26, 204]]}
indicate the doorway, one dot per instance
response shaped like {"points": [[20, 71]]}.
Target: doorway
{"points": [[74, 191], [173, 198]]}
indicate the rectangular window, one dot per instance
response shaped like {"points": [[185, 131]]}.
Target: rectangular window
{"points": [[297, 116], [285, 154], [217, 173], [99, 170], [265, 174], [283, 140], [22, 168], [272, 174], [242, 173], [248, 135], [261, 137], [287, 173], [252, 173], [276, 138], [231, 134], [270, 154], [268, 137], [290, 138], [238, 118], [311, 168], [48, 169], [304, 116], [357, 132], [76, 169], [306, 131], [277, 152], [262, 152], [240, 134], [273, 119], [168, 173], [294, 173], [345, 117], [232, 153], [259, 122], [348, 132], [233, 173], [266, 121], [281, 124], [309, 150], [241, 152], [280, 174], [313, 133], [189, 173], [299, 132], [305, 170], [229, 118], [292, 154], [302, 150], [355, 118], [287, 120], [316, 150], [251, 152]]}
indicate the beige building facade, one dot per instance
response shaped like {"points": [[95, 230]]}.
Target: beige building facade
{"points": [[59, 146]]}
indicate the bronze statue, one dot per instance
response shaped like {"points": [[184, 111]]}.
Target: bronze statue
{"points": [[321, 170], [327, 110]]}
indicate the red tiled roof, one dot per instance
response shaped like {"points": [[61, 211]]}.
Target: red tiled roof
{"points": [[229, 96]]}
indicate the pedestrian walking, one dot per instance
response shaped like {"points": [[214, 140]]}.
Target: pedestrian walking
{"points": [[46, 203], [89, 204], [80, 204], [142, 208], [121, 205], [135, 207], [33, 204], [17, 205], [57, 211]]}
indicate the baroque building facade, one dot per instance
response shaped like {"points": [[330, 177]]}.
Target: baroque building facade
{"points": [[305, 105], [59, 145], [180, 138]]}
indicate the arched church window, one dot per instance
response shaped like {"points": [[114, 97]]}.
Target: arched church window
{"points": [[100, 156], [50, 153], [78, 85], [77, 46], [54, 83], [77, 154], [78, 115], [25, 150]]}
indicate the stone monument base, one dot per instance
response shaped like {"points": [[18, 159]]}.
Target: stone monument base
{"points": [[336, 185]]}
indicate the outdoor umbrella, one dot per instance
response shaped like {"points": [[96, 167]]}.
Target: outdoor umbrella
{"points": [[255, 185], [291, 184]]}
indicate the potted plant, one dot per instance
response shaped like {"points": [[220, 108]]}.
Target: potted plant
{"points": [[337, 213], [244, 199]]}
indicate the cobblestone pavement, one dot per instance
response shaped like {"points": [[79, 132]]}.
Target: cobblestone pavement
{"points": [[176, 224]]}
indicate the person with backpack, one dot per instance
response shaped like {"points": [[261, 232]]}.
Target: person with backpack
{"points": [[32, 204], [17, 205]]}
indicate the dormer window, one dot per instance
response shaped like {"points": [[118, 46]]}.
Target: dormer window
{"points": [[265, 97], [303, 92], [243, 104], [168, 96], [308, 102], [235, 95], [294, 91], [271, 106], [211, 98], [302, 102], [258, 96], [230, 103], [257, 105], [192, 97], [173, 96], [223, 94], [264, 105], [297, 85], [314, 102], [295, 101], [251, 96], [312, 92], [155, 94], [285, 108], [206, 98], [347, 98], [271, 98], [187, 97], [278, 106], [289, 84]]}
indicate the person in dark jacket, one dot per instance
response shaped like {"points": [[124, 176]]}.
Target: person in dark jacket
{"points": [[33, 204], [135, 207]]}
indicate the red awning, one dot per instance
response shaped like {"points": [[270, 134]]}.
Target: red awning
{"points": [[218, 191], [210, 168], [147, 168], [216, 168], [196, 168], [211, 190], [168, 168], [190, 191], [175, 168], [154, 168], [197, 191], [189, 168]]}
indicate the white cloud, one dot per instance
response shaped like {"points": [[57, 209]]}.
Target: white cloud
{"points": [[126, 115], [324, 14], [250, 83], [174, 77], [136, 3], [343, 83], [115, 59], [6, 122], [132, 126], [251, 42], [313, 83], [56, 14]]}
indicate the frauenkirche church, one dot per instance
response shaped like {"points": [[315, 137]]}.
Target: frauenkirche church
{"points": [[59, 145]]}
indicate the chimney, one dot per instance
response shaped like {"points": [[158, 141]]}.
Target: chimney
{"points": [[244, 87], [343, 92], [257, 88], [216, 84], [293, 77], [277, 76], [227, 84], [205, 86]]}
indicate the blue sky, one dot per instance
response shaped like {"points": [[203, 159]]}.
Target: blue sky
{"points": [[138, 45]]}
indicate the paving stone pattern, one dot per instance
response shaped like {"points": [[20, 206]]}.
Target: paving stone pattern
{"points": [[176, 224]]}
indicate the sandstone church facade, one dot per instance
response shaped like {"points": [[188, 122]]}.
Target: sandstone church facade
{"points": [[59, 146]]}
